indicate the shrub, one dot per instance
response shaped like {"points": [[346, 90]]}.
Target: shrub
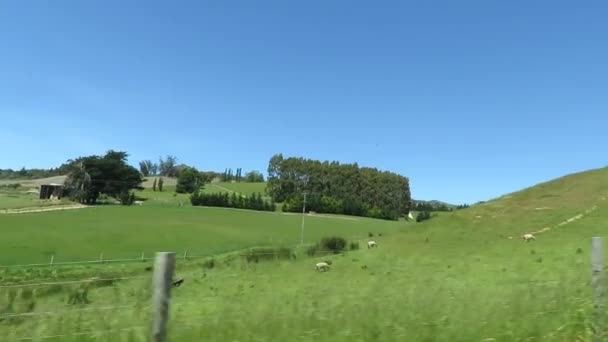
{"points": [[127, 198], [423, 216], [312, 250], [79, 295], [370, 234], [209, 264], [335, 244], [354, 245], [268, 253]]}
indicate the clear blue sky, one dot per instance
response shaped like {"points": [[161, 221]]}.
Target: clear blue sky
{"points": [[469, 99]]}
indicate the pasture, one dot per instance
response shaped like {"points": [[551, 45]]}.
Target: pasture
{"points": [[125, 232], [456, 277]]}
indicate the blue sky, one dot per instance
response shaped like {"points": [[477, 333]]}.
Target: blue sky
{"points": [[469, 99]]}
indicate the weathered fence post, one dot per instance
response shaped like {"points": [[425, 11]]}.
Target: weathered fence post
{"points": [[164, 267], [143, 256], [52, 258], [599, 287], [185, 254], [101, 258]]}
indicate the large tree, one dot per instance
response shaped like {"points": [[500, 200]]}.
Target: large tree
{"points": [[254, 177], [189, 180], [148, 168], [168, 166], [95, 175]]}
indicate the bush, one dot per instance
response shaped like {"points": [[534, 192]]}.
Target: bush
{"points": [[335, 244], [127, 198], [209, 264], [423, 216], [268, 253], [354, 245], [79, 295], [312, 250]]}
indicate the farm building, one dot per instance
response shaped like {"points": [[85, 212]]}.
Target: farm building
{"points": [[51, 191]]}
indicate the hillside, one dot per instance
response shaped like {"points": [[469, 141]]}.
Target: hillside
{"points": [[542, 207], [456, 277]]}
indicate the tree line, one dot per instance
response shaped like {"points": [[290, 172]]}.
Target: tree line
{"points": [[250, 177], [167, 167], [337, 188], [253, 202]]}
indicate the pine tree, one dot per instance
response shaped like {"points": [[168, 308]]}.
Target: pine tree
{"points": [[233, 200]]}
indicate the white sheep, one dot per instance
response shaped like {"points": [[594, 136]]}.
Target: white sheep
{"points": [[528, 237], [322, 266], [371, 244]]}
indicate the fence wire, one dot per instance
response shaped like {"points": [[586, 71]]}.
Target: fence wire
{"points": [[42, 313], [84, 333], [70, 282]]}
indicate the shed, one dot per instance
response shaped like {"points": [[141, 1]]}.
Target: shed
{"points": [[53, 190]]}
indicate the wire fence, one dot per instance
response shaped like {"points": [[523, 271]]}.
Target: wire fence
{"points": [[65, 314], [162, 282], [185, 255]]}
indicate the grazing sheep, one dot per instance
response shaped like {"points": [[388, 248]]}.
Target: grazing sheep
{"points": [[528, 237], [177, 283], [322, 266], [371, 244]]}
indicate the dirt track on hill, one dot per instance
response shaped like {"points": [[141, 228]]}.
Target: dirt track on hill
{"points": [[40, 209], [571, 219]]}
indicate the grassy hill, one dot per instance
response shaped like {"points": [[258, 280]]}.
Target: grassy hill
{"points": [[456, 277]]}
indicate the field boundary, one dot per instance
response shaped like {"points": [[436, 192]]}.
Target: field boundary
{"points": [[43, 209]]}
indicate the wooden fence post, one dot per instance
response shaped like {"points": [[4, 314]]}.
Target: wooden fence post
{"points": [[164, 267], [52, 258], [101, 257], [185, 254], [599, 287], [143, 256]]}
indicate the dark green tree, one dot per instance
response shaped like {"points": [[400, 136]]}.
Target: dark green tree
{"points": [[161, 182], [154, 185], [254, 177], [110, 175], [188, 180]]}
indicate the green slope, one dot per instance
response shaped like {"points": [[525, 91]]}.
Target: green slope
{"points": [[456, 277]]}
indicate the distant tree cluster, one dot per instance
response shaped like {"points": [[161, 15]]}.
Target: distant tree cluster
{"points": [[337, 188], [237, 176], [167, 167], [254, 177], [253, 202], [462, 206], [91, 176], [24, 173], [428, 206]]}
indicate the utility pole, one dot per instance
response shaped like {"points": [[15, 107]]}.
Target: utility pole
{"points": [[303, 214]]}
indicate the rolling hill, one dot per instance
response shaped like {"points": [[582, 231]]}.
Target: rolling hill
{"points": [[461, 276]]}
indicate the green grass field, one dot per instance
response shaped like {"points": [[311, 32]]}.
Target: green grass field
{"points": [[20, 198], [126, 232], [457, 277]]}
